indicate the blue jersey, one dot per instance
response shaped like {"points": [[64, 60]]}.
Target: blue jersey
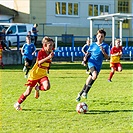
{"points": [[85, 48], [28, 50], [96, 55], [35, 31]]}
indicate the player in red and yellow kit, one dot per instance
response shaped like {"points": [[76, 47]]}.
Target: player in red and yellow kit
{"points": [[116, 53], [38, 74]]}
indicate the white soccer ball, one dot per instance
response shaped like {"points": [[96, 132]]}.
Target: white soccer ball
{"points": [[82, 108]]}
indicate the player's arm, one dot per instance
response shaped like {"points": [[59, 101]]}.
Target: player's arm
{"points": [[49, 57], [116, 54], [120, 54], [34, 51], [22, 50], [83, 50], [104, 53], [113, 52]]}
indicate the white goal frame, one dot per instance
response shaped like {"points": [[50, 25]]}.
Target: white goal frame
{"points": [[114, 17]]}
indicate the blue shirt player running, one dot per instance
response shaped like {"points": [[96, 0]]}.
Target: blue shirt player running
{"points": [[28, 51], [98, 51]]}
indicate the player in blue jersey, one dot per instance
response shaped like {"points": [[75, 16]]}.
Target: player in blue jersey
{"points": [[98, 51], [28, 51]]}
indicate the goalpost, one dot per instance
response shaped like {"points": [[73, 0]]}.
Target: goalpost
{"points": [[113, 17]]}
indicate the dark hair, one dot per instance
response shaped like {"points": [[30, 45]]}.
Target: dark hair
{"points": [[101, 31], [28, 36], [36, 25]]}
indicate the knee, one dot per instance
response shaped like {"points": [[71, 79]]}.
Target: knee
{"points": [[94, 77], [45, 88], [119, 69], [26, 93]]}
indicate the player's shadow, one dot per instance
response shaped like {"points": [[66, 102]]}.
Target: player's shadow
{"points": [[47, 110], [33, 110], [106, 111]]}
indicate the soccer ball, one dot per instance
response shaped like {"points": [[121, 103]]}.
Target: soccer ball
{"points": [[82, 108]]}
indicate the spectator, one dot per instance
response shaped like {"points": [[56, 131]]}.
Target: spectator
{"points": [[4, 42], [34, 31]]}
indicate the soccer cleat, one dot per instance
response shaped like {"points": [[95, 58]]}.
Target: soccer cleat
{"points": [[78, 98], [84, 95], [82, 63], [26, 76], [87, 72], [24, 69], [17, 106], [109, 80], [36, 92]]}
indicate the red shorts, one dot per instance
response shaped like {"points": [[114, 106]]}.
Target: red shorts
{"points": [[115, 65], [32, 83]]}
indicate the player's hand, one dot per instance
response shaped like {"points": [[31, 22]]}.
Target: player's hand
{"points": [[51, 55], [102, 49], [118, 53]]}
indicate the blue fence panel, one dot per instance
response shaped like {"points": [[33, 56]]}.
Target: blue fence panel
{"points": [[68, 54], [59, 54]]}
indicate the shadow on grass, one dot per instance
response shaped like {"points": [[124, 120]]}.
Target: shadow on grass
{"points": [[90, 112], [125, 65], [74, 65], [47, 110], [106, 111]]}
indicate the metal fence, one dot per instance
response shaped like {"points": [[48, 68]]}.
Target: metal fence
{"points": [[70, 45]]}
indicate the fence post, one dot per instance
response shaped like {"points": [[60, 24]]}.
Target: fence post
{"points": [[72, 55], [56, 42], [130, 55], [17, 42], [72, 42]]}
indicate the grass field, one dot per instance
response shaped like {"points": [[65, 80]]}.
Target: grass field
{"points": [[110, 104]]}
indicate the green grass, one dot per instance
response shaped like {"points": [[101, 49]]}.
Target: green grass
{"points": [[110, 104]]}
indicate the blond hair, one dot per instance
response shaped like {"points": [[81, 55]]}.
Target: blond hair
{"points": [[47, 39], [116, 40]]}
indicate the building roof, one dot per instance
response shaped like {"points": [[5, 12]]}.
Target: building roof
{"points": [[118, 16], [7, 11]]}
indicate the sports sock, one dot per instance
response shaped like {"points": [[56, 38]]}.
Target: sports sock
{"points": [[21, 99], [89, 86], [27, 71], [111, 75], [82, 90]]}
